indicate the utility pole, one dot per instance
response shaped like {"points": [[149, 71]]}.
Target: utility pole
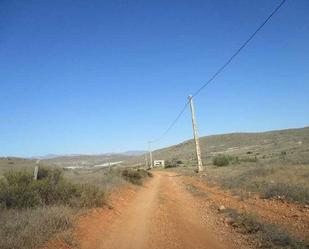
{"points": [[195, 133], [109, 166], [150, 154], [36, 170], [146, 160]]}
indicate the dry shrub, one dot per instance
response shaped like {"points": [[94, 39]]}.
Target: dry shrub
{"points": [[145, 173], [30, 228], [132, 176], [286, 182], [224, 160], [105, 180], [290, 192], [87, 196], [135, 176], [268, 235], [221, 160], [19, 190]]}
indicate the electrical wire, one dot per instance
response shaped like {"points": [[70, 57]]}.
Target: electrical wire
{"points": [[220, 70], [172, 124], [238, 50]]}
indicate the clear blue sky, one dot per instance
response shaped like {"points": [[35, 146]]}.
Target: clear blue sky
{"points": [[102, 76]]}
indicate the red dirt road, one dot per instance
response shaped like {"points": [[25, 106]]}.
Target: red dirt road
{"points": [[161, 214]]}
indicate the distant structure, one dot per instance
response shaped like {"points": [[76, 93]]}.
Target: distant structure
{"points": [[158, 163]]}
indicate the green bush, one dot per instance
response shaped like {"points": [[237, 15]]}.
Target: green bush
{"points": [[132, 176], [53, 175], [221, 160], [170, 164], [145, 173], [135, 176], [173, 163], [15, 191], [224, 160], [249, 159]]}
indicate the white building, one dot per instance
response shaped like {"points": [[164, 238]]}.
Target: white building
{"points": [[158, 163]]}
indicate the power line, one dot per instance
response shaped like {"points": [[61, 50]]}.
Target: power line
{"points": [[172, 124], [220, 69], [238, 50]]}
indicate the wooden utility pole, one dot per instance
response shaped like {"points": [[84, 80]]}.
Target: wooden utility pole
{"points": [[195, 133], [150, 154], [146, 160], [36, 170], [109, 166]]}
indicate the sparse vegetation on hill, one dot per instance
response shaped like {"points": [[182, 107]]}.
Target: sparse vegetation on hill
{"points": [[289, 146], [173, 163], [286, 182], [225, 160], [221, 160], [274, 164]]}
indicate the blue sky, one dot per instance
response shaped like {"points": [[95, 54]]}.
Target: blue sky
{"points": [[102, 76]]}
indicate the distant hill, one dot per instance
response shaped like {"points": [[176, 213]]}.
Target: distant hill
{"points": [[293, 144], [74, 160], [134, 152], [86, 160], [53, 156], [290, 146]]}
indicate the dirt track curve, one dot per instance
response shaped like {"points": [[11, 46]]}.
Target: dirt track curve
{"points": [[161, 214]]}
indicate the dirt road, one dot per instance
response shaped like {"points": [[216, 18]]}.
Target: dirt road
{"points": [[161, 214]]}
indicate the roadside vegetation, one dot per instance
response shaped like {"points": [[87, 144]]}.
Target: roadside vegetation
{"points": [[173, 163], [225, 160], [135, 176], [246, 175], [270, 167], [285, 182], [266, 235], [19, 190], [31, 227], [31, 211]]}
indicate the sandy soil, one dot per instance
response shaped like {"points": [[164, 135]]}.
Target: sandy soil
{"points": [[161, 214]]}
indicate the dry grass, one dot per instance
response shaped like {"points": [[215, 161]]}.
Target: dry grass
{"points": [[11, 163], [289, 182], [30, 228], [19, 190], [103, 179], [266, 235]]}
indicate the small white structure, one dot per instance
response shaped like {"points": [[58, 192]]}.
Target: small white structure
{"points": [[158, 163]]}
